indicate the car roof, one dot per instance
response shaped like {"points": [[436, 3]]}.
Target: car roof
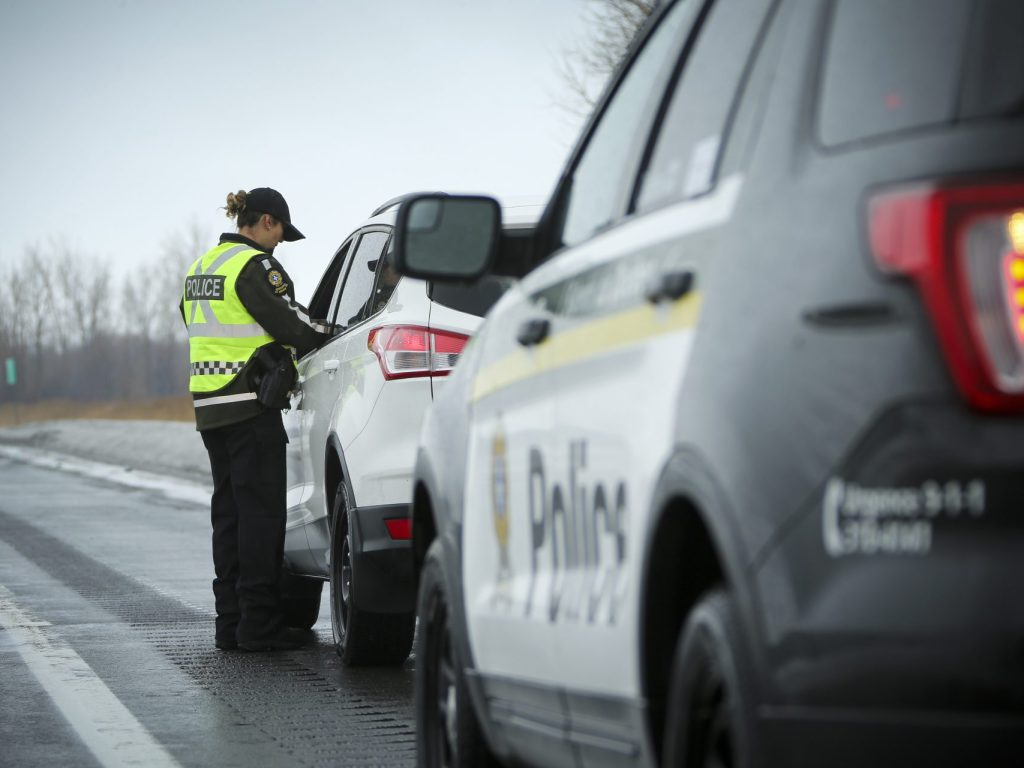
{"points": [[516, 213]]}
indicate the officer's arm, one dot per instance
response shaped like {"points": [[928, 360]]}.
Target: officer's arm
{"points": [[265, 290]]}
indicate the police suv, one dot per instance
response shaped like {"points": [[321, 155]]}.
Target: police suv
{"points": [[732, 477]]}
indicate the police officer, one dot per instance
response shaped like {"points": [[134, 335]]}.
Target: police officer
{"points": [[240, 310]]}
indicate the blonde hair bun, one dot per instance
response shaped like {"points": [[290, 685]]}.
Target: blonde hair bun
{"points": [[236, 204]]}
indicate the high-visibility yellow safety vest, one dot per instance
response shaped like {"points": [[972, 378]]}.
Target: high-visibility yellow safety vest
{"points": [[222, 334]]}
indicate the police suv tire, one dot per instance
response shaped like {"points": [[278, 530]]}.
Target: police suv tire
{"points": [[300, 600], [444, 737], [710, 715], [360, 637]]}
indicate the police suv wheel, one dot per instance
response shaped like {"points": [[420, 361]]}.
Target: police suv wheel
{"points": [[447, 732], [360, 636], [709, 710]]}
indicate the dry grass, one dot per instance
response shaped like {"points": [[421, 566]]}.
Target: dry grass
{"points": [[158, 409]]}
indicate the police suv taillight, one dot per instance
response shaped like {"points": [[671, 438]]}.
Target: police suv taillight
{"points": [[963, 246], [407, 351]]}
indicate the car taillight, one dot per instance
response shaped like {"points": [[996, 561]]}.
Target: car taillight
{"points": [[405, 351], [399, 527], [964, 248]]}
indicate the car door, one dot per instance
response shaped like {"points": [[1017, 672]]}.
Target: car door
{"points": [[623, 322], [505, 571], [523, 486], [332, 379], [298, 420]]}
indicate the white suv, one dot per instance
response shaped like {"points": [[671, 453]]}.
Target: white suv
{"points": [[352, 430]]}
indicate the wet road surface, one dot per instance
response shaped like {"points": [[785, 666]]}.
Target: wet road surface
{"points": [[107, 657]]}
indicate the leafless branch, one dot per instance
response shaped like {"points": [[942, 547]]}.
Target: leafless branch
{"points": [[585, 68]]}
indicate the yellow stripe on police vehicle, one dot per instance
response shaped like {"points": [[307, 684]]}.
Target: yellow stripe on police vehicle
{"points": [[589, 340]]}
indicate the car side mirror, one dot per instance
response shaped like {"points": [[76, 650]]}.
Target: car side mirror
{"points": [[447, 237]]}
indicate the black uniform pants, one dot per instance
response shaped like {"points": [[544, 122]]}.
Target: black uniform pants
{"points": [[248, 515]]}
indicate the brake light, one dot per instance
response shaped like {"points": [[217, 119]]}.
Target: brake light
{"points": [[399, 527], [963, 246], [407, 351]]}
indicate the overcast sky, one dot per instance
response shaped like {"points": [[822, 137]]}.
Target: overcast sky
{"points": [[125, 121]]}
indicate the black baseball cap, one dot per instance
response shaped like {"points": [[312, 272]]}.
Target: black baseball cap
{"points": [[267, 200]]}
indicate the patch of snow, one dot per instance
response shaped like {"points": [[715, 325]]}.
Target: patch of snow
{"points": [[171, 448], [172, 488], [164, 456]]}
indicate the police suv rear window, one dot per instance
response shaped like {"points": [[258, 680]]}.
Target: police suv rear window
{"points": [[891, 66]]}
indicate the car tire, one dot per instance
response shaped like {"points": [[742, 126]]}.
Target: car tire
{"points": [[300, 600], [360, 637], [447, 732], [708, 722]]}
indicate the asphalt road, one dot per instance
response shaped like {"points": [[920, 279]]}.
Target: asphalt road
{"points": [[106, 647]]}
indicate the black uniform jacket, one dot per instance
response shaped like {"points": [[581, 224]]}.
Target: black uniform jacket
{"points": [[266, 291]]}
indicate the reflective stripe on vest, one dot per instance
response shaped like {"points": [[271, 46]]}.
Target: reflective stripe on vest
{"points": [[222, 333]]}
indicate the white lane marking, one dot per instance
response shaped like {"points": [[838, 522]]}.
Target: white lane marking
{"points": [[180, 490], [112, 733]]}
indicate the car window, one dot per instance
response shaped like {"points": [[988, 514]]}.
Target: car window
{"points": [[387, 280], [325, 294], [752, 101], [600, 182], [355, 293], [685, 156], [891, 66]]}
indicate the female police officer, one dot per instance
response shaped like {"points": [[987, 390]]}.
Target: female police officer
{"points": [[240, 310]]}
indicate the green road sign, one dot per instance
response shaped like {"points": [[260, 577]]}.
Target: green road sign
{"points": [[12, 372]]}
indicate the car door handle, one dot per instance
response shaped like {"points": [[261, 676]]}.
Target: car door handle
{"points": [[533, 332], [331, 365], [670, 286]]}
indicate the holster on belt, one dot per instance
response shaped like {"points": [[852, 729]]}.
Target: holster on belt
{"points": [[275, 376]]}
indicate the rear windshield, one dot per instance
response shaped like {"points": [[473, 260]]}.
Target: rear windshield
{"points": [[893, 66], [475, 299]]}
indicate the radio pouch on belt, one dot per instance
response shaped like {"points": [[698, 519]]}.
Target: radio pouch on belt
{"points": [[275, 377]]}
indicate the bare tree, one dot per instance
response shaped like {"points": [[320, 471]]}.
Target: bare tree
{"points": [[169, 335], [68, 279], [178, 252], [95, 306], [77, 332], [12, 325], [33, 301], [586, 67], [12, 322], [139, 323]]}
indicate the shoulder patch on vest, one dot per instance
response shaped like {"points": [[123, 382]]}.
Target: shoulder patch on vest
{"points": [[277, 281]]}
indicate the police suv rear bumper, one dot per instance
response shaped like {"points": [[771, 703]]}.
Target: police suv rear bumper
{"points": [[803, 738], [895, 634]]}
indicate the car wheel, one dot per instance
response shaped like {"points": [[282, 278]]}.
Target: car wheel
{"points": [[447, 732], [708, 721], [300, 600], [360, 636]]}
